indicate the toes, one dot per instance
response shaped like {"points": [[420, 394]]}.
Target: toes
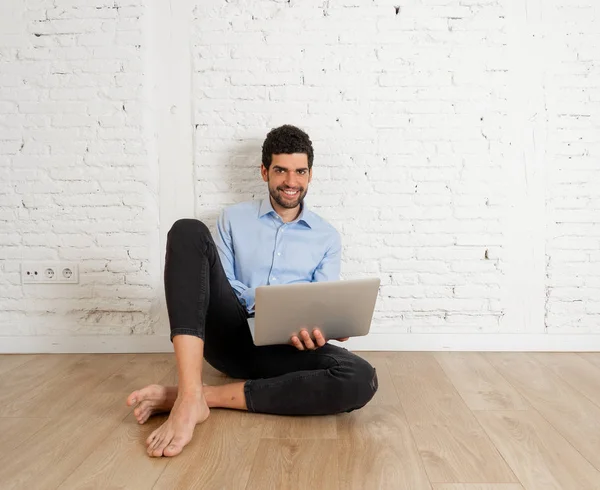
{"points": [[139, 395], [155, 442], [173, 450], [143, 416], [152, 437], [147, 393], [133, 398], [176, 445], [160, 447], [142, 408], [153, 448]]}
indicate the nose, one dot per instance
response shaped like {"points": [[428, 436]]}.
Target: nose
{"points": [[291, 180]]}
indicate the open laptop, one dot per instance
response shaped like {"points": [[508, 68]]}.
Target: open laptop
{"points": [[338, 308]]}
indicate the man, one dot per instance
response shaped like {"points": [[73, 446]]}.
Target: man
{"points": [[209, 288]]}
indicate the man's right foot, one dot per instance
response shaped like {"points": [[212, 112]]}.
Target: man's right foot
{"points": [[186, 412]]}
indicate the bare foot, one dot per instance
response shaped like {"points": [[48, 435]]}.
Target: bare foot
{"points": [[171, 437], [151, 400]]}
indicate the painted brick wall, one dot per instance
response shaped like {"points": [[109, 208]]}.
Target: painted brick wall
{"points": [[406, 112], [410, 105], [573, 183], [77, 180]]}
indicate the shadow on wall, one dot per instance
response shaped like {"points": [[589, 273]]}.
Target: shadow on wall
{"points": [[236, 179]]}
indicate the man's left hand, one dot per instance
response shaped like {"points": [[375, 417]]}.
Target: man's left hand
{"points": [[305, 342]]}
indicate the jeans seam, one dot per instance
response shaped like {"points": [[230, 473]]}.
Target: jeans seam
{"points": [[248, 396]]}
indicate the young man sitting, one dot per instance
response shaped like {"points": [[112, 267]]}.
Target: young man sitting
{"points": [[209, 289]]}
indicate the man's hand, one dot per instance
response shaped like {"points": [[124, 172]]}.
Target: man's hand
{"points": [[305, 342]]}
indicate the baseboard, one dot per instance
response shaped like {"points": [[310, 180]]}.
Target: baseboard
{"points": [[373, 342], [88, 344], [481, 342]]}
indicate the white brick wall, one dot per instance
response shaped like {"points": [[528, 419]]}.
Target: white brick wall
{"points": [[456, 150], [573, 189], [76, 179], [406, 114]]}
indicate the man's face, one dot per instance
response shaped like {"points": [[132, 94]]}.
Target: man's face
{"points": [[288, 178]]}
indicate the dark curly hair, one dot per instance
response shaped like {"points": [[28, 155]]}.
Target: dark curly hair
{"points": [[286, 139]]}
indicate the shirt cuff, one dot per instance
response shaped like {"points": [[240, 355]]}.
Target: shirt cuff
{"points": [[247, 298]]}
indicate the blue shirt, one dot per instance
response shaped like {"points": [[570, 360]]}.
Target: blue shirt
{"points": [[257, 248]]}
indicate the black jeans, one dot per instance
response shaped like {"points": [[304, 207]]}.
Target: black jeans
{"points": [[280, 378]]}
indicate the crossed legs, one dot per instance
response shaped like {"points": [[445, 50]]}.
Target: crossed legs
{"points": [[207, 321]]}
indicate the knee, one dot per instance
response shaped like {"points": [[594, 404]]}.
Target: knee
{"points": [[188, 226], [363, 385]]}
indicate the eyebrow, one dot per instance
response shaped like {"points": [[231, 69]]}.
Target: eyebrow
{"points": [[283, 168]]}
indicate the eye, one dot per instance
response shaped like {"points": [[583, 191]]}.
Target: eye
{"points": [[301, 172]]}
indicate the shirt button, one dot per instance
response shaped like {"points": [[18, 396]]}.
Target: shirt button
{"points": [[273, 279], [278, 253]]}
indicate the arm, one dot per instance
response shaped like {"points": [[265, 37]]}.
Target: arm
{"points": [[329, 267], [226, 252]]}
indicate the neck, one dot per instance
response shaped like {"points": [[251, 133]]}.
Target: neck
{"points": [[286, 214]]}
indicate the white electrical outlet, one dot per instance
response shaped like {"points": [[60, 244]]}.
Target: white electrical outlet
{"points": [[49, 273]]}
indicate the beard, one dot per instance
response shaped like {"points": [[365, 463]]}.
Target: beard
{"points": [[277, 193]]}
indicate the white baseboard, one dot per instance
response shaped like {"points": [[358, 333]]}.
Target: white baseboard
{"points": [[88, 344], [372, 342]]}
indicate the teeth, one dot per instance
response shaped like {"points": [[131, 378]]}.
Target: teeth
{"points": [[291, 193]]}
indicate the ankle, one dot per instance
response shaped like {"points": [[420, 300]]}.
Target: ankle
{"points": [[190, 392], [211, 395]]}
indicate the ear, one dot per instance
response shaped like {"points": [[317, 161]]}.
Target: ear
{"points": [[264, 173], [309, 174]]}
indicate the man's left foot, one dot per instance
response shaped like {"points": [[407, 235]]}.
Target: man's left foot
{"points": [[151, 400]]}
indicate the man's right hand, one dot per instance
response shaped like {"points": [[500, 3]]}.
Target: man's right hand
{"points": [[303, 341]]}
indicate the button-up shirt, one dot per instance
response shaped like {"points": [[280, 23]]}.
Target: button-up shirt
{"points": [[257, 248]]}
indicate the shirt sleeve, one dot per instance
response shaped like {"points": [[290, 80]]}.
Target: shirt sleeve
{"points": [[329, 267], [226, 253]]}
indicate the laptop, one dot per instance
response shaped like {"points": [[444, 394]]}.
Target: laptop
{"points": [[339, 308]]}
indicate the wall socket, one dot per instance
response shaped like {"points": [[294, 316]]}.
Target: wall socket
{"points": [[49, 273]]}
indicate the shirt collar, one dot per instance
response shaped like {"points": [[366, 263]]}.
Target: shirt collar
{"points": [[266, 208]]}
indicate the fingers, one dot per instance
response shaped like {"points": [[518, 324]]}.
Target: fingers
{"points": [[308, 343], [296, 343], [319, 337], [343, 339], [303, 341]]}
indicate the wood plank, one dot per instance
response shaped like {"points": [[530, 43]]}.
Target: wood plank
{"points": [[8, 362], [386, 393], [451, 442], [210, 376], [537, 453], [479, 384], [219, 456], [120, 461], [65, 389], [477, 486], [52, 454], [579, 373], [593, 357], [140, 371], [23, 384], [15, 431], [376, 451], [304, 427], [574, 416], [295, 464]]}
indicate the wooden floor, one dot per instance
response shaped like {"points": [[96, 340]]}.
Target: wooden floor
{"points": [[440, 421]]}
